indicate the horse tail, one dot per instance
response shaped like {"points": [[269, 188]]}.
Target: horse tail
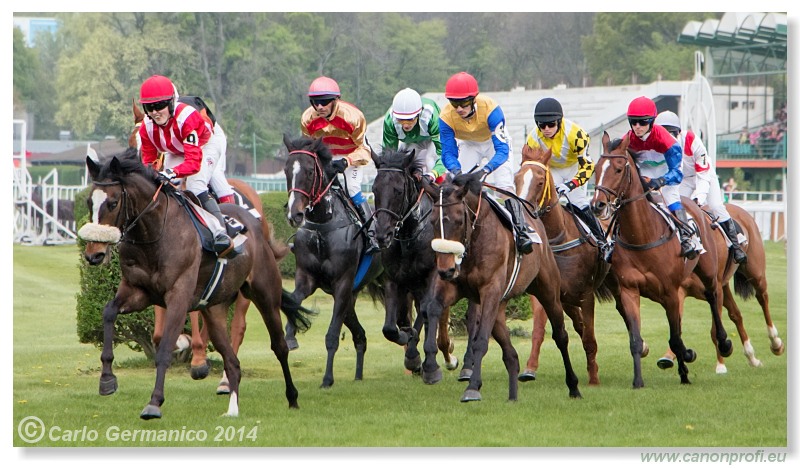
{"points": [[376, 292], [299, 316], [603, 293], [741, 286], [279, 248]]}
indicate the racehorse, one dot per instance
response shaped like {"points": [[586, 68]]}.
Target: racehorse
{"points": [[199, 337], [476, 258], [162, 263], [404, 233], [582, 268], [646, 260], [327, 246], [748, 278]]}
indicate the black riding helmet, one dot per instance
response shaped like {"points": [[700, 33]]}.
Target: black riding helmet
{"points": [[548, 110]]}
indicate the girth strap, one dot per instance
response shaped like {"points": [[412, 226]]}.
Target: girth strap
{"points": [[213, 282]]}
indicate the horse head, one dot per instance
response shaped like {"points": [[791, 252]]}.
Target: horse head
{"points": [[308, 176], [396, 192], [616, 177], [533, 181], [456, 208], [110, 203]]}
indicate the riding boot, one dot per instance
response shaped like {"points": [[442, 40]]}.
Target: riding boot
{"points": [[521, 229], [365, 212], [606, 247], [729, 228], [687, 249], [222, 242]]}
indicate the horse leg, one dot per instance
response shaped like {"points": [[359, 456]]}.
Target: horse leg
{"points": [[216, 320], [158, 325], [446, 345], [199, 366], [735, 314], [359, 340], [343, 303], [537, 338], [432, 305], [127, 299], [238, 327], [510, 357], [586, 311], [304, 286], [551, 302], [627, 304], [472, 324], [673, 306], [759, 283], [479, 344], [173, 324]]}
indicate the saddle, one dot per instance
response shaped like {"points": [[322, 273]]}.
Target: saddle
{"points": [[669, 218], [740, 234], [235, 229], [505, 219]]}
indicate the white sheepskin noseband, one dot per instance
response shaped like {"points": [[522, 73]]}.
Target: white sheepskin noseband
{"points": [[98, 233], [446, 246]]}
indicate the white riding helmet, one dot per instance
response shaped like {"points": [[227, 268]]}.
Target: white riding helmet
{"points": [[407, 104], [669, 119]]}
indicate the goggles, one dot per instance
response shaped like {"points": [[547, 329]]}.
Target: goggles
{"points": [[465, 102], [156, 106], [321, 101], [545, 125], [641, 122]]}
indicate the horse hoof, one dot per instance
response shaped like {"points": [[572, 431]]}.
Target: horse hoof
{"points": [[292, 344], [199, 372], [777, 350], [223, 388], [471, 395], [721, 369], [432, 377], [452, 365], [526, 376], [690, 356], [665, 363], [645, 349], [150, 412], [465, 375], [413, 364], [726, 348], [108, 386]]}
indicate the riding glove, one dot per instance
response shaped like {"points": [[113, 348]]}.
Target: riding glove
{"points": [[654, 184], [167, 175], [339, 165], [564, 188]]}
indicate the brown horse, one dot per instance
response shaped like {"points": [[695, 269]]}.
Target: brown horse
{"points": [[582, 268], [162, 263], [238, 325], [647, 261], [748, 279], [477, 259]]}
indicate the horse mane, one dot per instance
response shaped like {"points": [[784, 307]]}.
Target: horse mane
{"points": [[472, 181], [396, 159], [309, 144], [128, 162]]}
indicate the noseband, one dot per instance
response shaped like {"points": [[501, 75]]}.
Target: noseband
{"points": [[445, 245], [317, 191], [619, 193], [126, 206]]}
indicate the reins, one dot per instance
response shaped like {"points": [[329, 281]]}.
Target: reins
{"points": [[319, 180], [126, 206]]}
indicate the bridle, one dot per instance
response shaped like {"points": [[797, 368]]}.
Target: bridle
{"points": [[318, 188], [468, 227], [409, 208], [127, 207], [547, 193]]}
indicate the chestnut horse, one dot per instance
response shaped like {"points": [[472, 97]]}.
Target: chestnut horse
{"points": [[646, 260], [476, 258], [581, 266], [327, 246], [162, 263], [748, 279], [404, 232], [199, 337]]}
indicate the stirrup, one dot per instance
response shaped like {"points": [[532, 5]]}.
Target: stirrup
{"points": [[687, 250], [524, 243], [739, 256], [222, 244], [606, 250]]}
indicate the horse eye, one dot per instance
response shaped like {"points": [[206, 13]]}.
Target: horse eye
{"points": [[111, 204]]}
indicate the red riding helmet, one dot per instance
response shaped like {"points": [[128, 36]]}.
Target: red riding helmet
{"points": [[643, 107], [461, 85], [156, 88], [324, 87]]}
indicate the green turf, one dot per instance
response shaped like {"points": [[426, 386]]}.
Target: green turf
{"points": [[56, 380]]}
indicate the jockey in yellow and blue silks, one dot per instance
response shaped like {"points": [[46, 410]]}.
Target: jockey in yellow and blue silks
{"points": [[659, 158], [570, 166], [472, 128], [413, 124]]}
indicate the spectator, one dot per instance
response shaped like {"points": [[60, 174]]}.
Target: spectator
{"points": [[744, 137], [729, 187]]}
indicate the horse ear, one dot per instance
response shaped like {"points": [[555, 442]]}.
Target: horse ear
{"points": [[527, 153], [287, 141], [377, 160], [92, 166], [115, 165], [606, 140], [138, 115]]}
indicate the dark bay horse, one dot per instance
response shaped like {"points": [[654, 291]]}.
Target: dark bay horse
{"points": [[749, 279], [162, 263], [579, 262], [647, 261], [247, 197], [476, 258], [328, 246], [404, 232]]}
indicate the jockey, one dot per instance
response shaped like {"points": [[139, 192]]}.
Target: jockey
{"points": [[700, 181], [413, 124], [658, 155], [215, 150], [473, 128], [570, 166], [180, 132], [343, 128]]}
